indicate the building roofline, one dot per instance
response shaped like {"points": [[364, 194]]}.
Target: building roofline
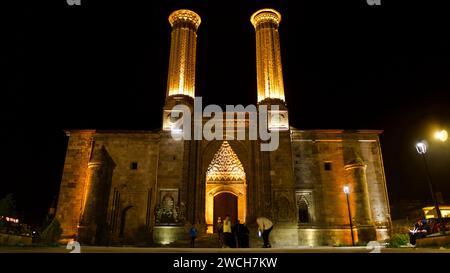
{"points": [[93, 131], [338, 131]]}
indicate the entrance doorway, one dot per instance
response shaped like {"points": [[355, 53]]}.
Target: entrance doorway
{"points": [[225, 203], [226, 188]]}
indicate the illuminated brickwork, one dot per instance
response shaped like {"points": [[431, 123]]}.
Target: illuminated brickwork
{"points": [[133, 187], [183, 47], [268, 56]]}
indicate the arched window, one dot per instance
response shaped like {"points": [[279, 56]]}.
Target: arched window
{"points": [[123, 221]]}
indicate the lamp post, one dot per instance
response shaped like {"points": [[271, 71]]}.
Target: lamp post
{"points": [[347, 191], [421, 148]]}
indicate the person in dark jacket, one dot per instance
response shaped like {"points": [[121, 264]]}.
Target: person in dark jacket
{"points": [[219, 229], [193, 234], [418, 232], [242, 234]]}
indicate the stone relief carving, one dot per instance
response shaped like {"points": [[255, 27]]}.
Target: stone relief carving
{"points": [[303, 196], [304, 200], [283, 208], [225, 166], [169, 212]]}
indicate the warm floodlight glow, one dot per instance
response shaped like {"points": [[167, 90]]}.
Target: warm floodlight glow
{"points": [[441, 135], [421, 148], [269, 72], [181, 78]]}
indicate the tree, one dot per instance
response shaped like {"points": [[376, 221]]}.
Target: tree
{"points": [[8, 206]]}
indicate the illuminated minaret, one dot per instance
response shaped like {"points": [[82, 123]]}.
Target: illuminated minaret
{"points": [[181, 76], [268, 58]]}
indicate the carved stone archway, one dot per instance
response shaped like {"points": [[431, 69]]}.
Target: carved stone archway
{"points": [[225, 174]]}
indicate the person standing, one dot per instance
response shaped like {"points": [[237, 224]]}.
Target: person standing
{"points": [[242, 233], [219, 229], [227, 235], [265, 226], [193, 234]]}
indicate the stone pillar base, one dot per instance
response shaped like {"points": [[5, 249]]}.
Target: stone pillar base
{"points": [[382, 234], [86, 235], [284, 236], [313, 237], [168, 234], [366, 234], [279, 237]]}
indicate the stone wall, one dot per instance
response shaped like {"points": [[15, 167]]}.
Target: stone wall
{"points": [[72, 187], [132, 191], [132, 194], [15, 240], [325, 161], [151, 170]]}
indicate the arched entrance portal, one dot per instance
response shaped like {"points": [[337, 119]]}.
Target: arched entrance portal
{"points": [[226, 189], [225, 203]]}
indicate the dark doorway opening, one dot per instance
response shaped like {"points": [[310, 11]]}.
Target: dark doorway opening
{"points": [[225, 203], [303, 213]]}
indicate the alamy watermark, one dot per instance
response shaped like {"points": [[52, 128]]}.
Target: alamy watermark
{"points": [[374, 2], [263, 123], [73, 2]]}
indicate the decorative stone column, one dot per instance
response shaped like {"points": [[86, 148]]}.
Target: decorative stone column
{"points": [[181, 78], [269, 69], [181, 74], [268, 57], [359, 200], [88, 227], [91, 228]]}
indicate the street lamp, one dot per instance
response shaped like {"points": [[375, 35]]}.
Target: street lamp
{"points": [[441, 135], [347, 191], [421, 148]]}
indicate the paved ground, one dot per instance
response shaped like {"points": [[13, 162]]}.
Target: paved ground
{"points": [[92, 249]]}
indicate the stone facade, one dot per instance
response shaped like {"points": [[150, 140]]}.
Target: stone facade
{"points": [[131, 187], [153, 183], [325, 161]]}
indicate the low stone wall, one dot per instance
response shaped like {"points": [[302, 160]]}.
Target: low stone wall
{"points": [[13, 240], [439, 240], [280, 236], [168, 234]]}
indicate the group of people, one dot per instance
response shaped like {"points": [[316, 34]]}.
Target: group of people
{"points": [[230, 235], [237, 235], [422, 228]]}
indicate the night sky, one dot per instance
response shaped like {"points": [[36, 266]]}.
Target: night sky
{"points": [[103, 65]]}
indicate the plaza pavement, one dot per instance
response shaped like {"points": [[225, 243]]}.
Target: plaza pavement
{"points": [[94, 249]]}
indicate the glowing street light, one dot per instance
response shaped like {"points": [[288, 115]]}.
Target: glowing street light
{"points": [[347, 192], [441, 135], [421, 148]]}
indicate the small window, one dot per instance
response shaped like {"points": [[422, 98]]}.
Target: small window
{"points": [[327, 166], [134, 165]]}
